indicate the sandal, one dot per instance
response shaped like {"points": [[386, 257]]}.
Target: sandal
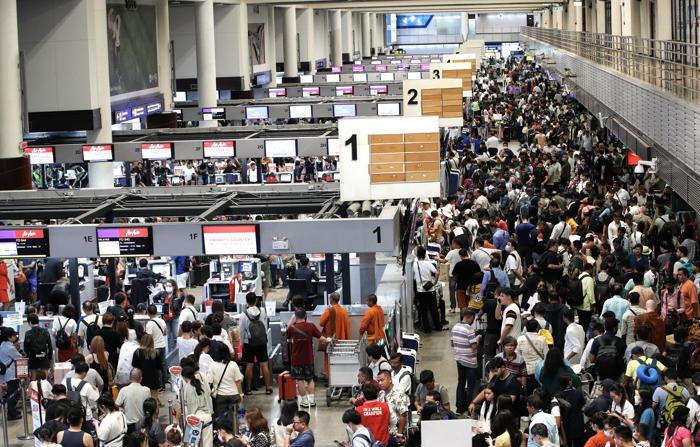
{"points": [[268, 390]]}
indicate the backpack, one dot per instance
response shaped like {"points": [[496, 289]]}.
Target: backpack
{"points": [[607, 355], [645, 364], [62, 339], [372, 442], [491, 285], [674, 400], [414, 385], [90, 331], [37, 343], [602, 289], [688, 266], [73, 394], [258, 333], [575, 297]]}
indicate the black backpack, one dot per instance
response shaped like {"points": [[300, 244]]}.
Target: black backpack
{"points": [[491, 285], [575, 297], [37, 342], [73, 394], [602, 290], [62, 339], [90, 330], [258, 333]]}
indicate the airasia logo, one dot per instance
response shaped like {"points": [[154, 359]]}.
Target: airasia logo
{"points": [[133, 233], [215, 144], [95, 148], [28, 233], [38, 150], [157, 146]]}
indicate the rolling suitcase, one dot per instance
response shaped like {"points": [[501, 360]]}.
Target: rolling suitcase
{"points": [[411, 341], [286, 387], [409, 358]]}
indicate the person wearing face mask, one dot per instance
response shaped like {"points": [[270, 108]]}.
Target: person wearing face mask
{"points": [[514, 264], [602, 437], [173, 299]]}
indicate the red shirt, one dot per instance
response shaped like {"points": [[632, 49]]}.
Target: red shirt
{"points": [[301, 334], [598, 440], [375, 416]]}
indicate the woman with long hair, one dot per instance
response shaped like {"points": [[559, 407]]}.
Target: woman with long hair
{"points": [[202, 357], [150, 424], [621, 407], [552, 368], [482, 428], [146, 359], [196, 400], [504, 430], [173, 298], [126, 354], [677, 433], [113, 427], [289, 408], [645, 414], [98, 360], [259, 429]]}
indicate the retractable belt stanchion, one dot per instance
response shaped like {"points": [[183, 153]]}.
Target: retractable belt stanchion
{"points": [[25, 419], [5, 439]]}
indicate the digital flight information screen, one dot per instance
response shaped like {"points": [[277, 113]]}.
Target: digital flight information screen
{"points": [[124, 241], [231, 239], [24, 242]]}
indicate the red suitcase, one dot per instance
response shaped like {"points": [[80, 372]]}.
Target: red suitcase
{"points": [[286, 386]]}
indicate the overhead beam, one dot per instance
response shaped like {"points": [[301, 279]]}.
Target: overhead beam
{"points": [[216, 208], [99, 211]]}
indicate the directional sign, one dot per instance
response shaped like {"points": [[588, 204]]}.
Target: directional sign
{"points": [[434, 97], [462, 70]]}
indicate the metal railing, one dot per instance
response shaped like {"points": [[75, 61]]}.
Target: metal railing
{"points": [[671, 66]]}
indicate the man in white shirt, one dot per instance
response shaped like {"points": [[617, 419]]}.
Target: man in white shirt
{"points": [[400, 375], [88, 393], [452, 258], [131, 398], [614, 226], [188, 312], [492, 141], [89, 320], [574, 339], [511, 319], [157, 328]]}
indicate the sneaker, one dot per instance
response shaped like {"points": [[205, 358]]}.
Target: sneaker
{"points": [[312, 400], [304, 402]]}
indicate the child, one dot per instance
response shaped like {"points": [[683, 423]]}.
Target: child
{"points": [[173, 435], [640, 438]]}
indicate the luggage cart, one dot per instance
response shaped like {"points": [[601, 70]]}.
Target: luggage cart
{"points": [[345, 357]]}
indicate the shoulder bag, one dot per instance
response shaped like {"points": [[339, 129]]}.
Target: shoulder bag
{"points": [[427, 285]]}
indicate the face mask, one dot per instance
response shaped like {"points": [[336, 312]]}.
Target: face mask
{"points": [[168, 290], [608, 433]]}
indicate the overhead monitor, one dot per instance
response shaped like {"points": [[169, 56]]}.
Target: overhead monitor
{"points": [[388, 109], [281, 148], [425, 66], [277, 92], [310, 91], [213, 113], [358, 68], [415, 61], [395, 61], [306, 79], [414, 75], [380, 68], [98, 152], [333, 145], [359, 77], [375, 90], [376, 62], [180, 96], [230, 239], [284, 177], [157, 151], [343, 90], [303, 111], [256, 113], [336, 69], [344, 110], [333, 78], [219, 149], [24, 242], [125, 241], [178, 114], [247, 269], [41, 155], [386, 76]]}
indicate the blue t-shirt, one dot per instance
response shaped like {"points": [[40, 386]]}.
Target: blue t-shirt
{"points": [[649, 419], [305, 439], [523, 230]]}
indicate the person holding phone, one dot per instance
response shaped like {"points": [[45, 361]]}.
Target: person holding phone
{"points": [[361, 436]]}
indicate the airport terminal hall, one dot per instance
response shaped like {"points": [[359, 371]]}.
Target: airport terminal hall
{"points": [[335, 223]]}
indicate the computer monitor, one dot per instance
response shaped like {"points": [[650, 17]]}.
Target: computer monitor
{"points": [[180, 96], [256, 113], [388, 109], [161, 268], [247, 269], [213, 113], [336, 267], [343, 90], [344, 110], [306, 79], [301, 111], [310, 91], [375, 90], [277, 92], [414, 75], [386, 76], [333, 78], [359, 77]]}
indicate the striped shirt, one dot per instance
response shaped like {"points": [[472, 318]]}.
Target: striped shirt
{"points": [[463, 336]]}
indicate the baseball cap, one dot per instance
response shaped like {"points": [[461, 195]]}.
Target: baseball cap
{"points": [[637, 350]]}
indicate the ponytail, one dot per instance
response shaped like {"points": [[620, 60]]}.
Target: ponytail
{"points": [[150, 410], [188, 373]]}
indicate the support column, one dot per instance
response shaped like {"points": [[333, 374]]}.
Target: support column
{"points": [[600, 16], [347, 31], [368, 282], [366, 35], [165, 80], [336, 38], [559, 18], [206, 54], [547, 18], [616, 16], [307, 50], [11, 159], [291, 61], [240, 18], [578, 14], [100, 175], [663, 20]]}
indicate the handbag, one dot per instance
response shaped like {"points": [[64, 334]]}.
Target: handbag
{"points": [[323, 343], [427, 285]]}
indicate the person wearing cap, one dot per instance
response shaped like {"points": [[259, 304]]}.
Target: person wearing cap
{"points": [[639, 358], [8, 357], [465, 343]]}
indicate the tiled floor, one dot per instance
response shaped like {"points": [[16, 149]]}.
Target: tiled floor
{"points": [[436, 354]]}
